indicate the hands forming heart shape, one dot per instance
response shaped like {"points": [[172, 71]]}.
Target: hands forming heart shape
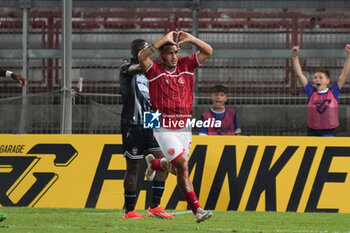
{"points": [[177, 38]]}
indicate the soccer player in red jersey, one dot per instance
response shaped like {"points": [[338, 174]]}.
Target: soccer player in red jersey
{"points": [[171, 92]]}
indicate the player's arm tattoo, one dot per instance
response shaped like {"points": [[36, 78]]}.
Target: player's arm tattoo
{"points": [[152, 47]]}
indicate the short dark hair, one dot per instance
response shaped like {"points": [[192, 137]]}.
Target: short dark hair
{"points": [[136, 46], [219, 88], [323, 70], [165, 45]]}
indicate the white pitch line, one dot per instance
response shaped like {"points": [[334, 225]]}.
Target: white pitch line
{"points": [[181, 212]]}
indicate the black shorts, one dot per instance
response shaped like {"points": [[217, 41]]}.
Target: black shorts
{"points": [[321, 132], [138, 141]]}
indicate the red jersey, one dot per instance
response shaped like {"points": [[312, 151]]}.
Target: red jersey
{"points": [[171, 92]]}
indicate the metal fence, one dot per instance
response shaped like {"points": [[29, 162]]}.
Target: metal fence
{"points": [[251, 57]]}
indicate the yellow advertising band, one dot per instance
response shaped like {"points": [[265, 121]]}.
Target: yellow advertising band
{"points": [[228, 172]]}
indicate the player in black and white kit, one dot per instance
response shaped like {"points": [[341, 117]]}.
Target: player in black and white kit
{"points": [[22, 81], [17, 77], [137, 141]]}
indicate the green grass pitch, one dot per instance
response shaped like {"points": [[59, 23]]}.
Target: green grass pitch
{"points": [[50, 220]]}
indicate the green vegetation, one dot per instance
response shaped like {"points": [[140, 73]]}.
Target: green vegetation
{"points": [[50, 220]]}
